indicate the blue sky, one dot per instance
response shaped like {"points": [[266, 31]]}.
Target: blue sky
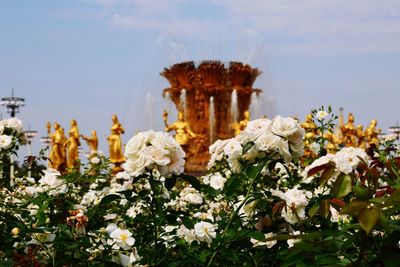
{"points": [[89, 59]]}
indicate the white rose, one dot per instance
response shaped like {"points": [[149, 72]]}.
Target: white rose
{"points": [[205, 231], [15, 124], [191, 195], [233, 149], [257, 127], [5, 141], [267, 142], [284, 127], [217, 181]]}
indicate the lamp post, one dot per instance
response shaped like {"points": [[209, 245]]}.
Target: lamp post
{"points": [[12, 103], [30, 135]]}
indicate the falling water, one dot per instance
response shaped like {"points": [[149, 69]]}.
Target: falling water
{"points": [[234, 107], [149, 111], [212, 120], [255, 105], [183, 102], [168, 102]]}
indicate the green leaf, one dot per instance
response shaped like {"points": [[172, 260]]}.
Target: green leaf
{"points": [[192, 180], [256, 235], [262, 203], [360, 192], [369, 217], [170, 182], [354, 207], [247, 147], [232, 184], [393, 199], [108, 199], [313, 210], [342, 186]]}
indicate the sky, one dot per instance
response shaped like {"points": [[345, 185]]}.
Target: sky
{"points": [[89, 59]]}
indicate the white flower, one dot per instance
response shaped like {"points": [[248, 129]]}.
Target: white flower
{"points": [[217, 181], [348, 158], [122, 239], [95, 160], [149, 150], [40, 238], [314, 148], [1, 127], [51, 182], [269, 244], [187, 234], [15, 124], [122, 175], [255, 128], [267, 142], [128, 261], [321, 115], [205, 231], [110, 216], [284, 127], [296, 201], [5, 141], [191, 195], [291, 242], [233, 149], [336, 216]]}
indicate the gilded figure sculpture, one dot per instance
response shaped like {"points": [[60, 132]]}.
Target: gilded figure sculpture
{"points": [[115, 144], [311, 130], [57, 154], [371, 133], [241, 125], [349, 132], [72, 144], [182, 130], [360, 136], [92, 141]]}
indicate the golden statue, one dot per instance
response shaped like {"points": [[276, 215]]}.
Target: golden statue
{"points": [[349, 132], [115, 144], [371, 133], [72, 145], [57, 154], [332, 142], [310, 127], [241, 125], [182, 130], [92, 141], [360, 136]]}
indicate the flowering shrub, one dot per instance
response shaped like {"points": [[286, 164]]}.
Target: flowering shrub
{"points": [[260, 203]]}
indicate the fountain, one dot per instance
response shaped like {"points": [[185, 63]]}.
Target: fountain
{"points": [[234, 107], [212, 120], [199, 83], [149, 111]]}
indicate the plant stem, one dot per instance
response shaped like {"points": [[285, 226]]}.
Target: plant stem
{"points": [[153, 215], [236, 211]]}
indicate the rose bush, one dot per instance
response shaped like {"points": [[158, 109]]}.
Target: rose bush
{"points": [[260, 204]]}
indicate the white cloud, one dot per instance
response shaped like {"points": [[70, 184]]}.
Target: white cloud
{"points": [[294, 26]]}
